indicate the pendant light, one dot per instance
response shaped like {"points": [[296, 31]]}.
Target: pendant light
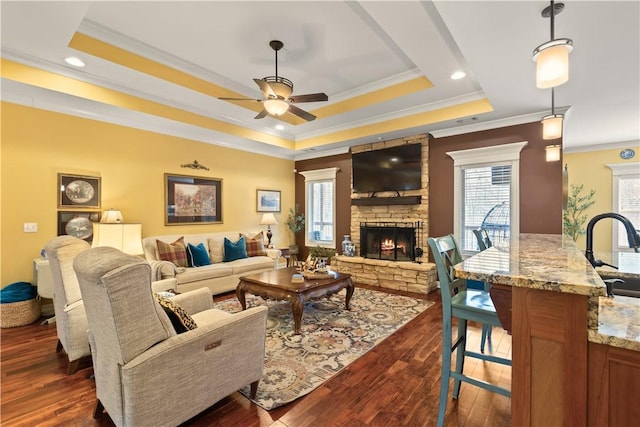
{"points": [[552, 57], [552, 124]]}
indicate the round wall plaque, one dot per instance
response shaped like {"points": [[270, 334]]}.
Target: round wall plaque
{"points": [[627, 153]]}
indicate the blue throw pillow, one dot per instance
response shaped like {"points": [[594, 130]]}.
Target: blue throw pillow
{"points": [[197, 256], [234, 251]]}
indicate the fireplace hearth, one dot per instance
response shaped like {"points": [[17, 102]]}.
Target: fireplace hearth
{"points": [[388, 240]]}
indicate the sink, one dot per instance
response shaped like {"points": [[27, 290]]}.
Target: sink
{"points": [[630, 287]]}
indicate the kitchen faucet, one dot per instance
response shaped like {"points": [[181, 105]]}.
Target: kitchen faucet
{"points": [[632, 236]]}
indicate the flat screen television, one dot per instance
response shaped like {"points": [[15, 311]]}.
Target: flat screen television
{"points": [[390, 169]]}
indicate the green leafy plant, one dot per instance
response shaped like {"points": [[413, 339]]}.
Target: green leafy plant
{"points": [[322, 252], [574, 217], [295, 220]]}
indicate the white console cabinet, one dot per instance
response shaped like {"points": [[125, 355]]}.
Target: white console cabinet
{"points": [[44, 283]]}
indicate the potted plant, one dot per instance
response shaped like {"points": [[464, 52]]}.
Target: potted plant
{"points": [[322, 255], [295, 224], [574, 217]]}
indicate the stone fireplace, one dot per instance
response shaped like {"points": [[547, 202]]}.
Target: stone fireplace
{"points": [[382, 263], [388, 240]]}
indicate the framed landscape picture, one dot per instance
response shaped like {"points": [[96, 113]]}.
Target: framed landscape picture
{"points": [[77, 191], [192, 200], [268, 201], [77, 224]]}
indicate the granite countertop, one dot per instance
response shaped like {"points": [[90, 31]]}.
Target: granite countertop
{"points": [[537, 261], [553, 262], [618, 323]]}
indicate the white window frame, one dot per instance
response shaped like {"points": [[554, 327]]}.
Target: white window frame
{"points": [[496, 155], [310, 177], [618, 171]]}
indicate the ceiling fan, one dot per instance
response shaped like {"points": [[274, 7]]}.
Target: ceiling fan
{"points": [[277, 92]]}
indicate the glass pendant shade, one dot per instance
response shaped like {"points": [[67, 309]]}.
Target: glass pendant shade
{"points": [[276, 107], [552, 63], [552, 153], [552, 126]]}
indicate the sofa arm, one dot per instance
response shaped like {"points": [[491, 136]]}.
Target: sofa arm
{"points": [[162, 270], [195, 301], [274, 253]]}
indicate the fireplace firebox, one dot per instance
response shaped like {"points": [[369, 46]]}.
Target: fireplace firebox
{"points": [[388, 240]]}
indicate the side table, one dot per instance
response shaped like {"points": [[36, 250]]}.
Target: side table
{"points": [[287, 255]]}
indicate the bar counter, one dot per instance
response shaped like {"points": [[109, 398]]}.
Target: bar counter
{"points": [[555, 304]]}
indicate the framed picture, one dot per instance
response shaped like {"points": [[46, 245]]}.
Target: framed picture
{"points": [[192, 200], [76, 191], [77, 224], [268, 201]]}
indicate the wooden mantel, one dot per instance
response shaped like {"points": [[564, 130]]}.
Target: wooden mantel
{"points": [[384, 201]]}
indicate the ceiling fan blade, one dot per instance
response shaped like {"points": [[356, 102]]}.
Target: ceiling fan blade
{"points": [[265, 88], [241, 99], [310, 97], [262, 114], [301, 113]]}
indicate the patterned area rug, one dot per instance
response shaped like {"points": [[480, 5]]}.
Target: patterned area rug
{"points": [[331, 339]]}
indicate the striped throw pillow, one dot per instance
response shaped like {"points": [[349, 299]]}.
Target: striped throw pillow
{"points": [[175, 252], [255, 244]]}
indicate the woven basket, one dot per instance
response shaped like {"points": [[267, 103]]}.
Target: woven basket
{"points": [[19, 313]]}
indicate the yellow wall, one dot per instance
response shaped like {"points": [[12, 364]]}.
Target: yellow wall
{"points": [[590, 169], [37, 145]]}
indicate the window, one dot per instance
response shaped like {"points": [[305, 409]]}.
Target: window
{"points": [[486, 183], [626, 200], [320, 207]]}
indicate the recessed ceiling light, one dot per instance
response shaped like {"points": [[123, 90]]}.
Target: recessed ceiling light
{"points": [[76, 62], [458, 75], [279, 127]]}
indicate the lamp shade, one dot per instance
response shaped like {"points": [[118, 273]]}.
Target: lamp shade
{"points": [[552, 153], [111, 216], [552, 63], [276, 107], [125, 237], [552, 126], [268, 219]]}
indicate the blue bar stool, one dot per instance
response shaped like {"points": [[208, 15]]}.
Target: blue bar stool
{"points": [[463, 304]]}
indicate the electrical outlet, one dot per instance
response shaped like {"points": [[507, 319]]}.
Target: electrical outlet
{"points": [[30, 227]]}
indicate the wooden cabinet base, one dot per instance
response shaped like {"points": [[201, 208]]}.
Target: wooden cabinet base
{"points": [[549, 376], [614, 386]]}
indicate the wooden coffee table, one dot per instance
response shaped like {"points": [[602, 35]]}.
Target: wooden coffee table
{"points": [[276, 284]]}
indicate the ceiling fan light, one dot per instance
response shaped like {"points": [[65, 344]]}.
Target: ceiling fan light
{"points": [[552, 63], [552, 126], [282, 90], [276, 107]]}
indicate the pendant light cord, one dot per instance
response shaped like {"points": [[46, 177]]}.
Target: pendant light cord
{"points": [[553, 14]]}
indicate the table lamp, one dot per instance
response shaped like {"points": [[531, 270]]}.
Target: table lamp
{"points": [[111, 216], [125, 237], [268, 219]]}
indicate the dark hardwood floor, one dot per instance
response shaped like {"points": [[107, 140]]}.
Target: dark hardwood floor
{"points": [[395, 384]]}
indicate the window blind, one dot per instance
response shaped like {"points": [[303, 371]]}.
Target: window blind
{"points": [[486, 194]]}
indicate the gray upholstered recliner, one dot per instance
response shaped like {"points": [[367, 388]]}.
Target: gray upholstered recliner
{"points": [[71, 320], [145, 373]]}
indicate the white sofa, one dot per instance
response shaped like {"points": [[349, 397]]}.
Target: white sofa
{"points": [[220, 276]]}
